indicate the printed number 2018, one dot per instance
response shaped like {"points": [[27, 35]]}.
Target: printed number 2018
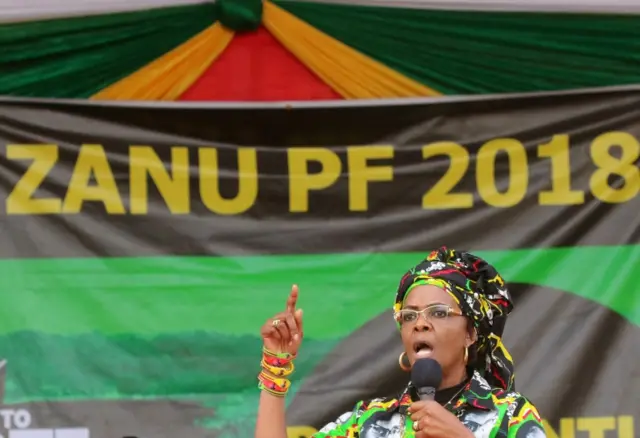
{"points": [[440, 196]]}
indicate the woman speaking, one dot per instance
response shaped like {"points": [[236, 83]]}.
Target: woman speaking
{"points": [[451, 308]]}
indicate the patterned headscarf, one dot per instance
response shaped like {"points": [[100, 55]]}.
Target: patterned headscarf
{"points": [[482, 296]]}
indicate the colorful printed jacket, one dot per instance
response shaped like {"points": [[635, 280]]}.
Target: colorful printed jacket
{"points": [[487, 412]]}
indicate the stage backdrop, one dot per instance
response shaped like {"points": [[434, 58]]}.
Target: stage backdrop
{"points": [[142, 247]]}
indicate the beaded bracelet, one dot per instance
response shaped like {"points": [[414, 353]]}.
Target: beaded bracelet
{"points": [[276, 359], [279, 371], [273, 385]]}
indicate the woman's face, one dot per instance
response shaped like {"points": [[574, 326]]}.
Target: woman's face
{"points": [[442, 339]]}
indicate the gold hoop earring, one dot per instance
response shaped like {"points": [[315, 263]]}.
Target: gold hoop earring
{"points": [[403, 360], [466, 355]]}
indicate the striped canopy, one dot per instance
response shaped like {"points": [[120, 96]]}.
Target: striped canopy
{"points": [[249, 50]]}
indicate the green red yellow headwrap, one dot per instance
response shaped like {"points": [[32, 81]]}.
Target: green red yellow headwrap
{"points": [[482, 296]]}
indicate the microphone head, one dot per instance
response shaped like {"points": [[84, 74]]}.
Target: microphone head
{"points": [[426, 373]]}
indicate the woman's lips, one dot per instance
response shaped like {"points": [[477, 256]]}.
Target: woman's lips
{"points": [[422, 349]]}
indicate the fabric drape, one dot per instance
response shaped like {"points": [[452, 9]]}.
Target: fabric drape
{"points": [[591, 6], [240, 15], [472, 52], [352, 74], [77, 57], [171, 75], [256, 67], [22, 10], [30, 10]]}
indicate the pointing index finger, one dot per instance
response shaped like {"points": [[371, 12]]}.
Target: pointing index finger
{"points": [[293, 299]]}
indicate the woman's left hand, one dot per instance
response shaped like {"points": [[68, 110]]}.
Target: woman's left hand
{"points": [[430, 420]]}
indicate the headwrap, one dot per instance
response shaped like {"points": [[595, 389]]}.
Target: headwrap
{"points": [[482, 296]]}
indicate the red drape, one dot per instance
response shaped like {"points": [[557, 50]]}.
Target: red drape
{"points": [[256, 67]]}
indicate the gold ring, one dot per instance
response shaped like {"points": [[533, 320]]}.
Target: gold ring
{"points": [[416, 426], [275, 322]]}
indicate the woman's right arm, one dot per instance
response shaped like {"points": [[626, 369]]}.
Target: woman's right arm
{"points": [[282, 340], [282, 336], [271, 417]]}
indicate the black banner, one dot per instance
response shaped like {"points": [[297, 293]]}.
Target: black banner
{"points": [[107, 206]]}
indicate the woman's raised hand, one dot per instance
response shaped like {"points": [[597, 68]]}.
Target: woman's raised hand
{"points": [[283, 332], [282, 336]]}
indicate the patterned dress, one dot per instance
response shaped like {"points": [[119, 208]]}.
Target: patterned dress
{"points": [[487, 412]]}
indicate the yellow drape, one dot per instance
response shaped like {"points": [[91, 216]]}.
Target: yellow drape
{"points": [[349, 72], [169, 76]]}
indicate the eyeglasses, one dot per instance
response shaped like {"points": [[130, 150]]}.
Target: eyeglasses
{"points": [[430, 313]]}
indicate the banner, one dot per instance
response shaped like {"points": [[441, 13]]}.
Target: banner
{"points": [[142, 247]]}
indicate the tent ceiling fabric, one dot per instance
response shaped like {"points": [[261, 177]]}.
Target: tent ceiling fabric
{"points": [[32, 10], [584, 6]]}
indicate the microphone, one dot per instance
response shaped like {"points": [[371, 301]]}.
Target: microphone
{"points": [[426, 376]]}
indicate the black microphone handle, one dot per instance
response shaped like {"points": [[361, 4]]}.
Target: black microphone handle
{"points": [[426, 393]]}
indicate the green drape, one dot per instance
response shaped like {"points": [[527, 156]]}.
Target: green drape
{"points": [[76, 57], [466, 52], [239, 15]]}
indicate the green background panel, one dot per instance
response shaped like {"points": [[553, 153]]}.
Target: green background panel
{"points": [[234, 295], [154, 327]]}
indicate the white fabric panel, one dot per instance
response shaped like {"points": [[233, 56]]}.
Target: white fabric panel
{"points": [[588, 6], [31, 10]]}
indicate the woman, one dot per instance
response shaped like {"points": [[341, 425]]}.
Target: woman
{"points": [[451, 307]]}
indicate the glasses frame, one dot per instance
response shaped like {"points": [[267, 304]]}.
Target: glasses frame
{"points": [[450, 312]]}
